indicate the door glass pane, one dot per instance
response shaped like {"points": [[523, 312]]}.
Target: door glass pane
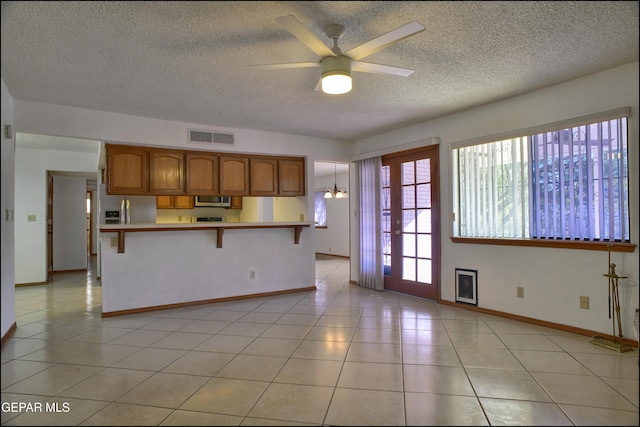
{"points": [[409, 221], [424, 221], [386, 243], [386, 221], [424, 195], [387, 265], [409, 269], [408, 174], [408, 196], [409, 244], [424, 271], [385, 202], [423, 170], [384, 176], [424, 245]]}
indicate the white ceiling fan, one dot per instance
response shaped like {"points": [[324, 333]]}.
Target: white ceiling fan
{"points": [[335, 65]]}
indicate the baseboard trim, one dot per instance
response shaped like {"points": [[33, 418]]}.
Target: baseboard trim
{"points": [[201, 302], [24, 285], [333, 255], [552, 325], [9, 334], [71, 271]]}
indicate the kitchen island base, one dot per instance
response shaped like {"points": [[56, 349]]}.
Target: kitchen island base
{"points": [[167, 268]]}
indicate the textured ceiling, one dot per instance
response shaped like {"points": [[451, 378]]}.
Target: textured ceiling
{"points": [[191, 61]]}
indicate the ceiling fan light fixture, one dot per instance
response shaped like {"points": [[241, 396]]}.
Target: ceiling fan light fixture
{"points": [[336, 74]]}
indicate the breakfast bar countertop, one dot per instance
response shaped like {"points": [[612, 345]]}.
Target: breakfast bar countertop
{"points": [[196, 225]]}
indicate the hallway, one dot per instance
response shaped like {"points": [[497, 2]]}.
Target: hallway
{"points": [[340, 355]]}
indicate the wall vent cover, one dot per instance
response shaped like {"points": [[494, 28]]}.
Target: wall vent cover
{"points": [[209, 137]]}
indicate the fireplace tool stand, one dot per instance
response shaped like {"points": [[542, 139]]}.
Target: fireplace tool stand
{"points": [[614, 312]]}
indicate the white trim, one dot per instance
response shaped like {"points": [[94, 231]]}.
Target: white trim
{"points": [[562, 124], [434, 140]]}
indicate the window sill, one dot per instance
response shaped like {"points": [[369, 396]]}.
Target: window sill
{"points": [[548, 243]]}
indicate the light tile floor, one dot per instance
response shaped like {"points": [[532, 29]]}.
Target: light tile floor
{"points": [[340, 355]]}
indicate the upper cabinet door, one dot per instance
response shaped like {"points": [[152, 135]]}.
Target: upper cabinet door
{"points": [[234, 175], [202, 174], [164, 202], [291, 177], [182, 202], [167, 172], [264, 176], [127, 170]]}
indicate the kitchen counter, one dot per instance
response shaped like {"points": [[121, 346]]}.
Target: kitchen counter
{"points": [[199, 225], [121, 229], [172, 265]]}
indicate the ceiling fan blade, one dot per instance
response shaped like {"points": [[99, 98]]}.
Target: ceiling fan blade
{"points": [[367, 67], [289, 65], [372, 46], [318, 86], [305, 36]]}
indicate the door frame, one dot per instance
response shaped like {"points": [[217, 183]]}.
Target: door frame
{"points": [[433, 153], [49, 226]]}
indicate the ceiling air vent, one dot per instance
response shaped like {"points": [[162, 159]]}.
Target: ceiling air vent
{"points": [[208, 137]]}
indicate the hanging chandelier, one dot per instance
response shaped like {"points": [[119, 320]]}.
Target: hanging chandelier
{"points": [[335, 192]]}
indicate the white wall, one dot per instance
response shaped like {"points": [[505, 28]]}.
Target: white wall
{"points": [[553, 279], [7, 266], [69, 223], [191, 268], [46, 119], [334, 239], [31, 199]]}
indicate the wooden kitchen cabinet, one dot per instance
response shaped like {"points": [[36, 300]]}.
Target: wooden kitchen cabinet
{"points": [[166, 172], [127, 170], [183, 202], [157, 171], [291, 177], [236, 202], [234, 175], [202, 174], [174, 202], [264, 176]]}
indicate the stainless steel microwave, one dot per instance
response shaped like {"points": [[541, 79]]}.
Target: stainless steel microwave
{"points": [[212, 201]]}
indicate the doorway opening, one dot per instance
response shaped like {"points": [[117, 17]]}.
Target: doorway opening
{"points": [[331, 208], [89, 217]]}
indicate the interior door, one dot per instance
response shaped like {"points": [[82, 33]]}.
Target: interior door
{"points": [[410, 213], [49, 226]]}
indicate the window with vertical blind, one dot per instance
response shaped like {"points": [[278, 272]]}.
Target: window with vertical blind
{"points": [[566, 181], [320, 209]]}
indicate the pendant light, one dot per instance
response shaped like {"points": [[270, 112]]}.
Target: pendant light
{"points": [[335, 192]]}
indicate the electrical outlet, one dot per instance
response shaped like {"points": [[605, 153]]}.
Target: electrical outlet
{"points": [[31, 218], [114, 242], [252, 274], [584, 302], [520, 292]]}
